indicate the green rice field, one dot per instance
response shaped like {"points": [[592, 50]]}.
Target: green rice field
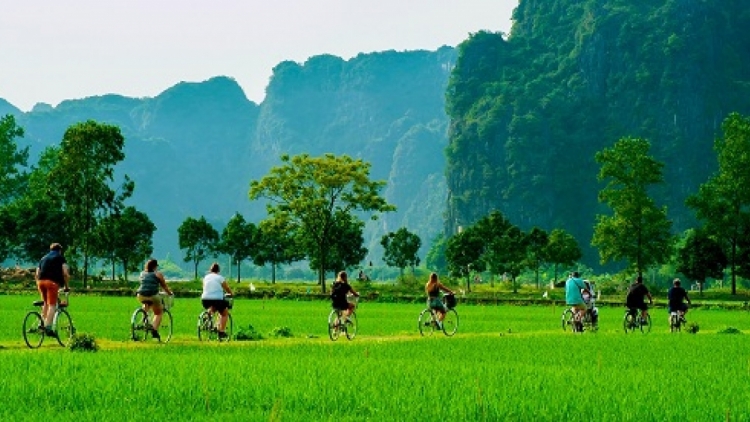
{"points": [[511, 363]]}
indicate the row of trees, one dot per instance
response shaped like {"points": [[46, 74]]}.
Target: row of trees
{"points": [[68, 197]]}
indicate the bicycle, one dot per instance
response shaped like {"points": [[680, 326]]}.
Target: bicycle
{"points": [[140, 322], [429, 322], [676, 321], [587, 323], [338, 323], [62, 324], [208, 323], [634, 320]]}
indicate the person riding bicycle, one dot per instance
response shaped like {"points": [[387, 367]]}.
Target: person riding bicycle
{"points": [[574, 299], [148, 293], [590, 301], [636, 298], [213, 299], [433, 288], [676, 295], [339, 290], [51, 274]]}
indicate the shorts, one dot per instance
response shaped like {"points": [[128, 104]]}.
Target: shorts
{"points": [[578, 306], [49, 291], [681, 307], [155, 301], [642, 306], [340, 306], [437, 304], [219, 305]]}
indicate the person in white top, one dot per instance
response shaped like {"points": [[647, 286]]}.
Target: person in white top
{"points": [[215, 288]]}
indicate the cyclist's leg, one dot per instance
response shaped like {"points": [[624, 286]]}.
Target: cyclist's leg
{"points": [[48, 289], [158, 311]]}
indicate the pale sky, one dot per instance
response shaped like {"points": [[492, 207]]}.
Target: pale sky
{"points": [[52, 50]]}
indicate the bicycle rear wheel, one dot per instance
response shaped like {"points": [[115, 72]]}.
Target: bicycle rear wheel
{"points": [[33, 329], [628, 322], [427, 322], [567, 319], [205, 324], [140, 328], [334, 326], [674, 323], [450, 322], [165, 328], [350, 326], [63, 327]]}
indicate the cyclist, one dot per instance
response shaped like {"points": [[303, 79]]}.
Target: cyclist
{"points": [[574, 299], [590, 301], [676, 296], [339, 290], [51, 274], [148, 293], [636, 298], [433, 288], [214, 288]]}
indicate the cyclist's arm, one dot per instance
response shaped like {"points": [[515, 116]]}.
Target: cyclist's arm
{"points": [[66, 276], [163, 283], [445, 289], [225, 286]]}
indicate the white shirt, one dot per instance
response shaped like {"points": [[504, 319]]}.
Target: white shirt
{"points": [[212, 289]]}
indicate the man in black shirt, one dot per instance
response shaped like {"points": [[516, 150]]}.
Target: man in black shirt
{"points": [[676, 296], [636, 298]]}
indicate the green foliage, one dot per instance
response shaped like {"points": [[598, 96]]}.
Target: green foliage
{"points": [[729, 330], [722, 201], [283, 332], [248, 333], [276, 244], [700, 257], [693, 328], [316, 197], [12, 159], [83, 342], [562, 249], [125, 238], [401, 248], [238, 240], [637, 231], [435, 259], [199, 240]]}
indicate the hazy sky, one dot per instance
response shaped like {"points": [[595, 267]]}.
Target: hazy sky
{"points": [[51, 50]]}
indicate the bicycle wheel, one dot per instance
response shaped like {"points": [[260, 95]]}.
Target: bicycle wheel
{"points": [[674, 323], [427, 322], [140, 328], [628, 322], [165, 329], [204, 326], [450, 322], [567, 319], [334, 328], [229, 327], [33, 329], [350, 326], [645, 324], [63, 327]]}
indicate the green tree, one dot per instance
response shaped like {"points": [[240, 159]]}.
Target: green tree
{"points": [[276, 245], [507, 254], [723, 202], [12, 179], [125, 238], [347, 246], [637, 231], [81, 180], [463, 252], [700, 257], [316, 195], [562, 249], [536, 251], [238, 239], [401, 249], [435, 258], [199, 240]]}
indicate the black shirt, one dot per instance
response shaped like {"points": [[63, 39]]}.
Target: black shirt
{"points": [[637, 293], [676, 295], [51, 268]]}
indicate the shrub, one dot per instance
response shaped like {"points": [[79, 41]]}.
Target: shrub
{"points": [[730, 330], [247, 334], [82, 342], [281, 332], [692, 328]]}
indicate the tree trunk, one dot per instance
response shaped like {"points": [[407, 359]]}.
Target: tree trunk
{"points": [[273, 273], [238, 270]]}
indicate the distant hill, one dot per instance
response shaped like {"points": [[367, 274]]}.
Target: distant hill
{"points": [[193, 149]]}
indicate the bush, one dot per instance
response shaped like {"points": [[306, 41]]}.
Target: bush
{"points": [[693, 328], [247, 334], [82, 342], [281, 332], [730, 330]]}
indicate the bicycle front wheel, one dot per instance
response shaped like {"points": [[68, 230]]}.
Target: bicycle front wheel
{"points": [[229, 329], [334, 326], [628, 322], [450, 322], [427, 322], [140, 329], [645, 324], [350, 326], [33, 329], [165, 328], [63, 327]]}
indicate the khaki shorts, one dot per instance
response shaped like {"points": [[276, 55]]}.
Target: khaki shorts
{"points": [[156, 301]]}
